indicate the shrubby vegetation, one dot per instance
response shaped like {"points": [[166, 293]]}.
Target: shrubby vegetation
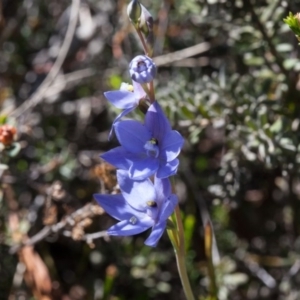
{"points": [[235, 99]]}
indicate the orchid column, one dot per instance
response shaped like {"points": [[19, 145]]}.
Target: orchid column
{"points": [[147, 156]]}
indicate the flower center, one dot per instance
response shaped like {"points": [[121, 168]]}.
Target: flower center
{"points": [[151, 203], [141, 66], [126, 87], [152, 209], [151, 148]]}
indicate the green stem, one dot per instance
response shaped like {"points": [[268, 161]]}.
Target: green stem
{"points": [[180, 257]]}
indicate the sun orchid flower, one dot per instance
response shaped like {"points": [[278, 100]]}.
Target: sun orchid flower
{"points": [[127, 98], [142, 205], [142, 69], [147, 148]]}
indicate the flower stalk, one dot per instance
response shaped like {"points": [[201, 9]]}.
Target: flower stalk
{"points": [[177, 238], [145, 47]]}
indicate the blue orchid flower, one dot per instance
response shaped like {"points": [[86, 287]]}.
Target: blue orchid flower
{"points": [[147, 148], [127, 98], [142, 205]]}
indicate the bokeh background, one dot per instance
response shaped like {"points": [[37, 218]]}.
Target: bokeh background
{"points": [[235, 97]]}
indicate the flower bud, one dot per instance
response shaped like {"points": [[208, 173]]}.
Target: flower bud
{"points": [[142, 69], [146, 21], [146, 26], [134, 11]]}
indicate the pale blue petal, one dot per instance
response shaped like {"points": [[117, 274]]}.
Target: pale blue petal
{"points": [[132, 135], [157, 123], [138, 90], [167, 169], [116, 157], [143, 168], [136, 193], [162, 188], [157, 231], [168, 207], [121, 99], [171, 146], [117, 207], [126, 228]]}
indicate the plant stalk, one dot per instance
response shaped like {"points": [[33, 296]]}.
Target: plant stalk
{"points": [[180, 257]]}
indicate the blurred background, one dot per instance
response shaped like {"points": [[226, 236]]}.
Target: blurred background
{"points": [[233, 92]]}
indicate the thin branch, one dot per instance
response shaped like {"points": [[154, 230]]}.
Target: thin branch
{"points": [[39, 94], [181, 54], [81, 213], [62, 81]]}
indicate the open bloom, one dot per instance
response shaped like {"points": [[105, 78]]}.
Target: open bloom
{"points": [[142, 69], [127, 98], [147, 148], [142, 205]]}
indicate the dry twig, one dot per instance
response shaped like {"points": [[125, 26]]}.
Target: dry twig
{"points": [[80, 214], [43, 88]]}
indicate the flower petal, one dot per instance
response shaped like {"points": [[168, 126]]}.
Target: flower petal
{"points": [[171, 145], [162, 188], [116, 157], [117, 207], [168, 208], [132, 135], [142, 168], [122, 114], [167, 169], [126, 228], [136, 193], [138, 90], [156, 122], [157, 231], [121, 99]]}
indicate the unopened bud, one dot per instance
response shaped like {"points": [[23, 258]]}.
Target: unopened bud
{"points": [[146, 22], [146, 26], [134, 11], [142, 69]]}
